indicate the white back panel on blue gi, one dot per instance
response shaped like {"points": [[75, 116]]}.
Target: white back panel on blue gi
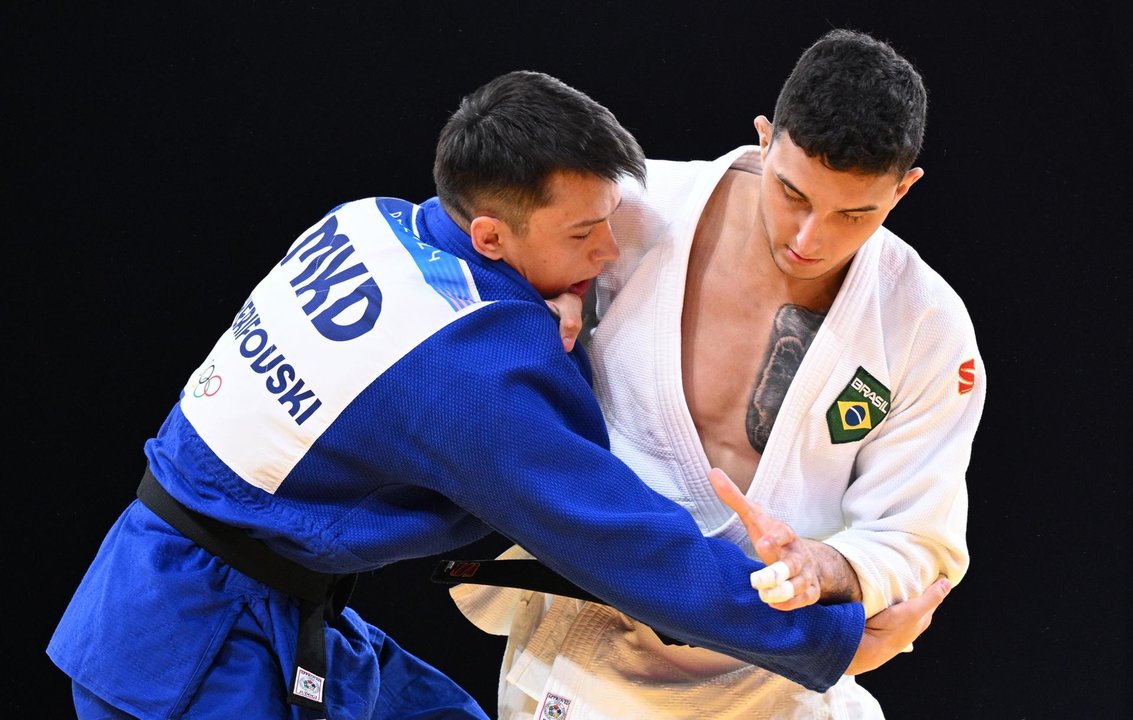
{"points": [[353, 295]]}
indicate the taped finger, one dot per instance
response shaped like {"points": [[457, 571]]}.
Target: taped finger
{"points": [[782, 592], [770, 576]]}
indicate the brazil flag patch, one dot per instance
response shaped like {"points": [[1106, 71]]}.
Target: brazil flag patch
{"points": [[862, 405]]}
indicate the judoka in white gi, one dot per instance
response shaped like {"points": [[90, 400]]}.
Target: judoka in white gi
{"points": [[761, 320]]}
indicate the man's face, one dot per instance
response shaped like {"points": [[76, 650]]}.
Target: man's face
{"points": [[568, 242], [815, 218]]}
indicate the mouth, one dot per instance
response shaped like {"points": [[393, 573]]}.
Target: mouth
{"points": [[795, 257], [580, 287]]}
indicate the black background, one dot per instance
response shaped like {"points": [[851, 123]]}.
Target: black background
{"points": [[159, 158]]}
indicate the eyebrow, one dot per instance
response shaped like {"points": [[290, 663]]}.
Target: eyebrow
{"points": [[862, 209], [584, 223]]}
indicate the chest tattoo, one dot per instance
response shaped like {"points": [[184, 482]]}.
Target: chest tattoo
{"points": [[792, 331]]}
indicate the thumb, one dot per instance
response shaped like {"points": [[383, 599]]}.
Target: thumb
{"points": [[936, 592], [929, 601], [567, 309]]}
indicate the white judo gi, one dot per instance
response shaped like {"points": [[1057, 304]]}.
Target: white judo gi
{"points": [[868, 453]]}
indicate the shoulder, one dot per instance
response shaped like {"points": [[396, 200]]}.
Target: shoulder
{"points": [[674, 187], [672, 176], [514, 330], [914, 294]]}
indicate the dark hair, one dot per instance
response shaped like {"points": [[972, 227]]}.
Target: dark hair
{"points": [[499, 149], [854, 102]]}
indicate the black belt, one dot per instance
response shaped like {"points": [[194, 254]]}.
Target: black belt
{"points": [[518, 573], [322, 596], [524, 574]]}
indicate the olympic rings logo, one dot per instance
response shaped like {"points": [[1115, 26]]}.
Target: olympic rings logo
{"points": [[208, 383]]}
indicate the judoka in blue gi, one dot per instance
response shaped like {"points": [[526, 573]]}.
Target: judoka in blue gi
{"points": [[396, 387]]}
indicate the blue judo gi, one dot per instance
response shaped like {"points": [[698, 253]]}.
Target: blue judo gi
{"points": [[384, 393]]}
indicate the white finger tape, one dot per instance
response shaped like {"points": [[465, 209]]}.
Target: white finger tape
{"points": [[782, 592], [770, 576]]}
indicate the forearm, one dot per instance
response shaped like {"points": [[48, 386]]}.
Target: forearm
{"points": [[685, 586]]}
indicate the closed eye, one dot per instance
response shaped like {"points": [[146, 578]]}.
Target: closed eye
{"points": [[791, 193]]}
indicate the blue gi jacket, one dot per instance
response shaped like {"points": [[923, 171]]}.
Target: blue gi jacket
{"points": [[386, 392]]}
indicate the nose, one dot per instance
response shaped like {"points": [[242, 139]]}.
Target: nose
{"points": [[606, 248], [807, 236]]}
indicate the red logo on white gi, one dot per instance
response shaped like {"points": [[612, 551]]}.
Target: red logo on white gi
{"points": [[967, 375], [554, 708]]}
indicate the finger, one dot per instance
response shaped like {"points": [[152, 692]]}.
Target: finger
{"points": [[928, 601], [567, 309], [782, 592], [938, 591], [767, 550], [927, 604], [770, 576], [568, 331], [751, 515], [727, 491]]}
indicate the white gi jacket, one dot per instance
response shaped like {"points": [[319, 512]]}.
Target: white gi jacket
{"points": [[885, 487]]}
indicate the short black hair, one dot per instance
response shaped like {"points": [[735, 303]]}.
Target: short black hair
{"points": [[500, 147], [856, 103]]}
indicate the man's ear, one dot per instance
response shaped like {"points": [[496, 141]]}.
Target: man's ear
{"points": [[764, 127], [911, 177], [485, 232]]}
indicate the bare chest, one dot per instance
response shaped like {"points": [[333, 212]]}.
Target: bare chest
{"points": [[740, 353], [745, 327]]}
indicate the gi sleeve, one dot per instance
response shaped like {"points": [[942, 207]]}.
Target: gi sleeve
{"points": [[515, 436], [907, 505]]}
